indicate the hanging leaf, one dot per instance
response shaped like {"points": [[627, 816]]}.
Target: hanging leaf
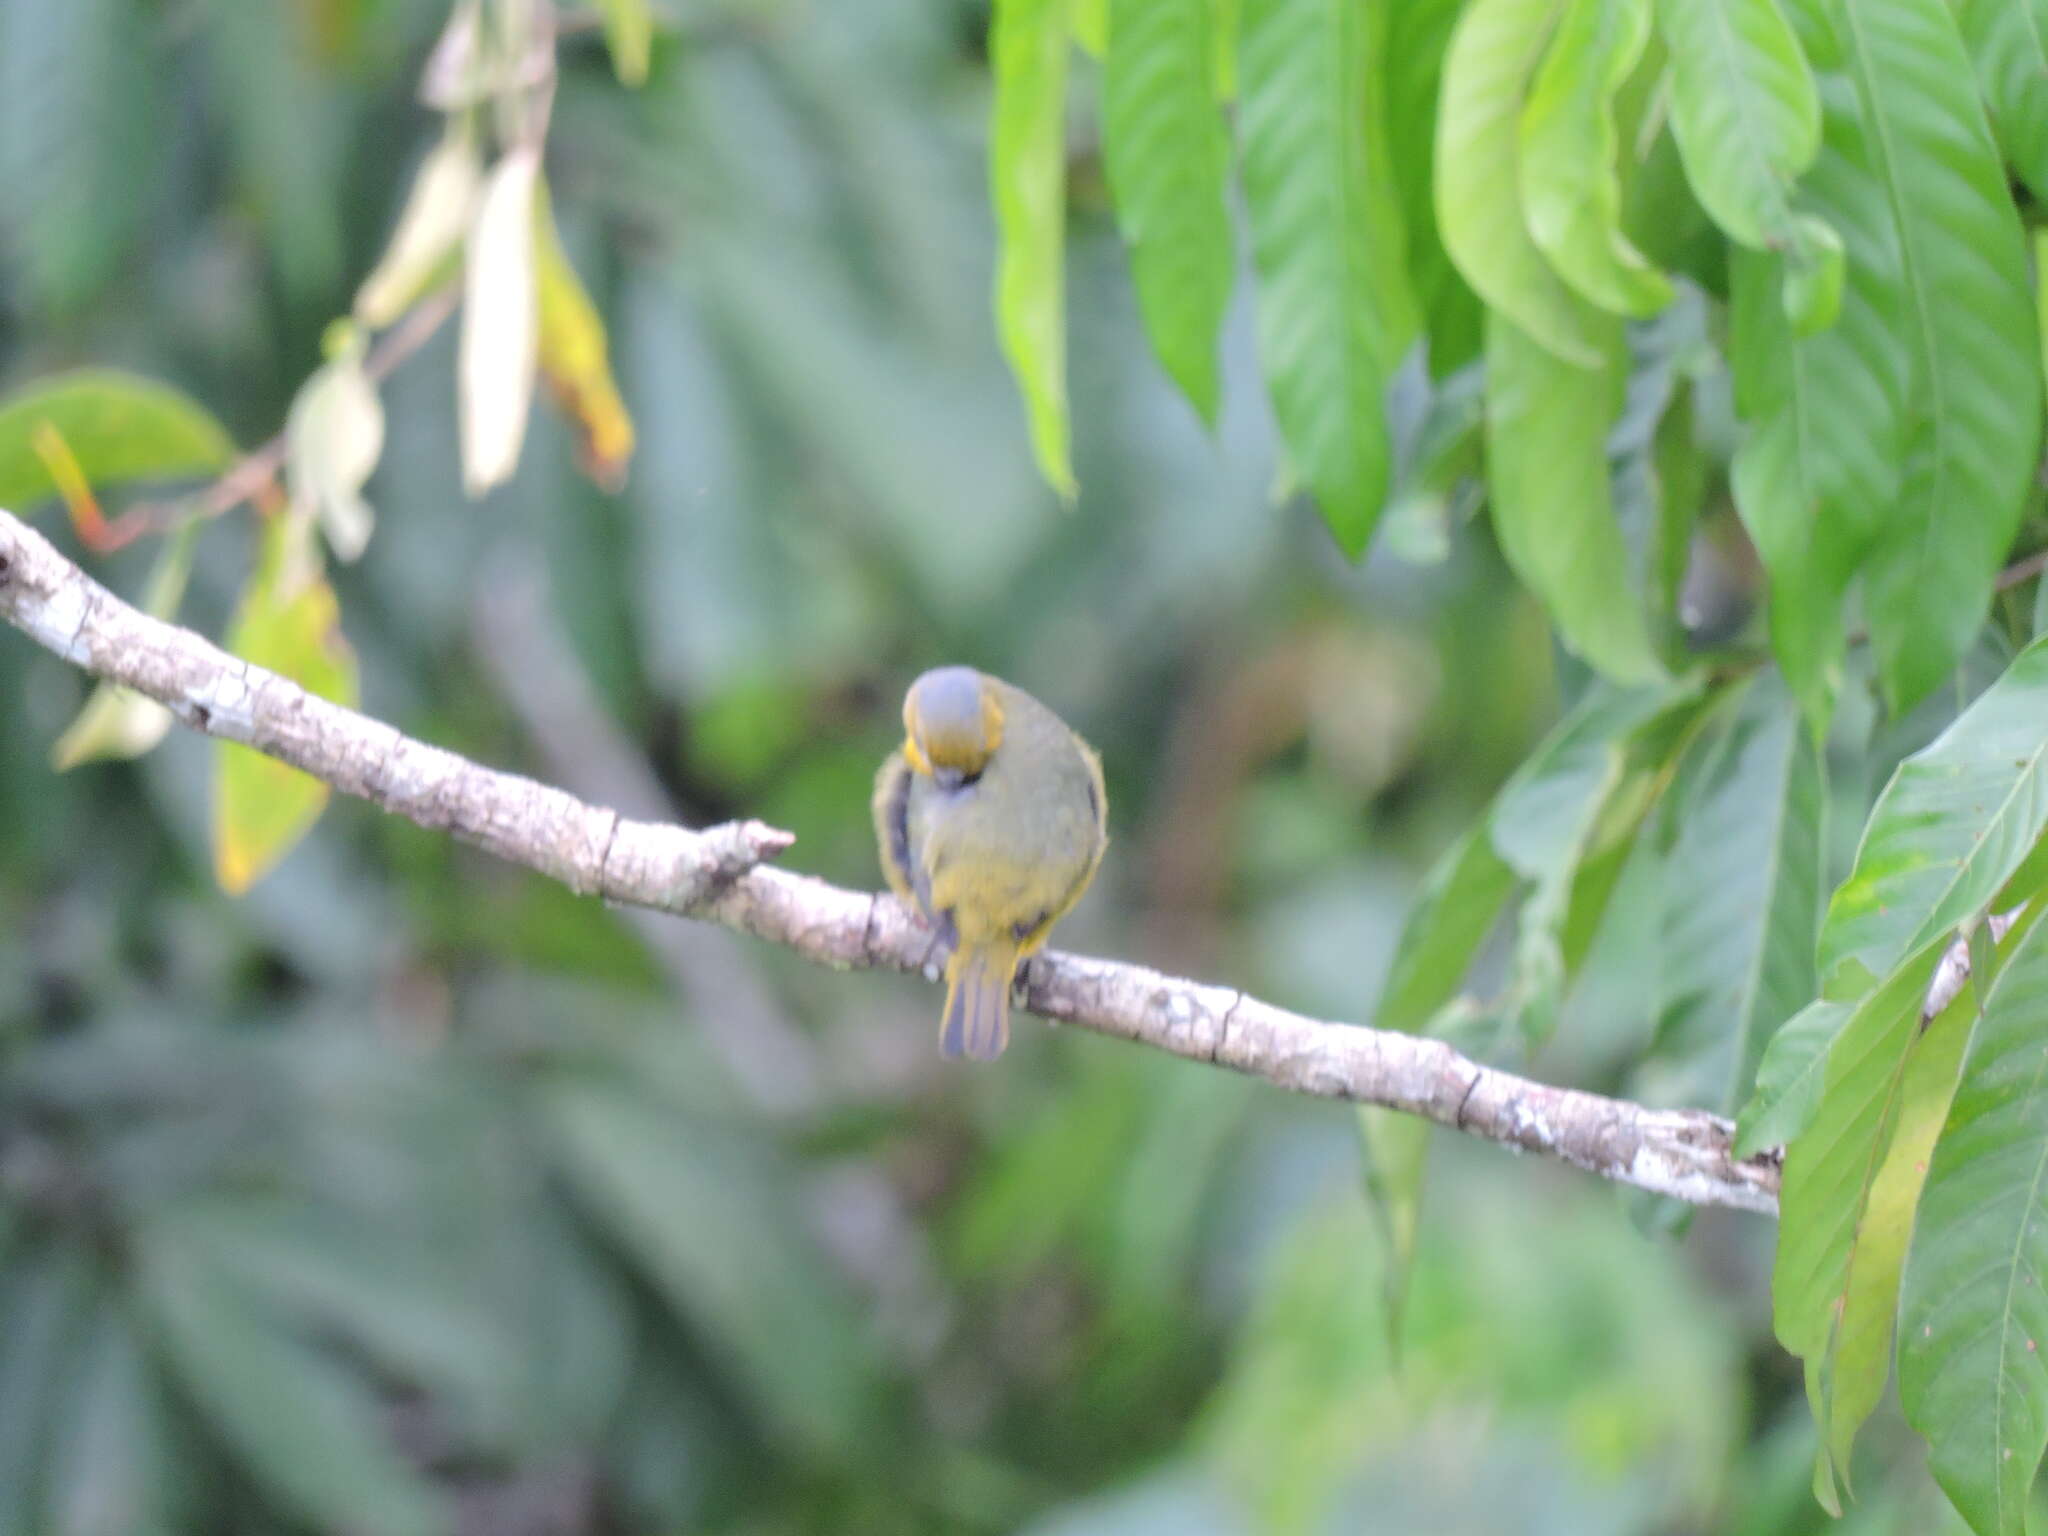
{"points": [[1745, 881], [334, 436], [1956, 820], [1789, 1078], [288, 620], [1418, 37], [428, 239], [1547, 422], [629, 34], [1028, 177], [1976, 423], [1335, 312], [1746, 114], [1570, 181], [1829, 1173], [1487, 77], [2008, 42], [118, 722], [1818, 469], [575, 359], [500, 343], [1975, 1312], [119, 428], [1168, 158]]}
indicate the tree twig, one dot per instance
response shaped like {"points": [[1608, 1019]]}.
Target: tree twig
{"points": [[718, 875]]}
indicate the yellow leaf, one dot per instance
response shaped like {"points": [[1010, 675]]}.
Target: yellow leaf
{"points": [[629, 33], [575, 361], [288, 621], [500, 324], [430, 228]]}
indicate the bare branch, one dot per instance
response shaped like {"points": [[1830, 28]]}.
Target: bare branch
{"points": [[718, 875]]}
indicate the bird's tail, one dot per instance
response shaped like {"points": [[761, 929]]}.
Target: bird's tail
{"points": [[977, 1022]]}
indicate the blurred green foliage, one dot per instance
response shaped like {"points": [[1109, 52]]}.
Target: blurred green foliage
{"points": [[407, 1195]]}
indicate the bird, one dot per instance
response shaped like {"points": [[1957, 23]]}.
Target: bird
{"points": [[991, 818]]}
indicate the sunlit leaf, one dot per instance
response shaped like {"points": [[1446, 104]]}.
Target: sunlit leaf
{"points": [[1972, 1378], [1028, 179], [118, 426], [1168, 158], [1975, 430], [575, 359], [500, 344], [1953, 824], [1570, 181], [1487, 77], [428, 238], [289, 622], [1335, 312], [1547, 422], [629, 33]]}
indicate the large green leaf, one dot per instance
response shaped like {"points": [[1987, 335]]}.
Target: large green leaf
{"points": [[1487, 76], [1830, 1170], [1971, 1377], [305, 1428], [45, 1295], [111, 1461], [1547, 422], [704, 1214], [1418, 35], [1746, 115], [1819, 464], [1790, 1077], [1028, 179], [1956, 820], [118, 426], [1570, 179], [2008, 41], [1976, 420], [1335, 310], [1168, 157], [1744, 886]]}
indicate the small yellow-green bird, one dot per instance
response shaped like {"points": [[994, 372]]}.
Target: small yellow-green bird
{"points": [[990, 817]]}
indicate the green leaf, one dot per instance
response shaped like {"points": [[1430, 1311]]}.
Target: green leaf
{"points": [[1453, 913], [629, 34], [1956, 820], [1744, 885], [1028, 178], [1976, 423], [1335, 310], [2008, 42], [1547, 422], [1972, 1378], [44, 1297], [289, 621], [111, 1464], [1859, 1358], [1830, 1169], [1487, 76], [1818, 467], [302, 1426], [705, 1216], [1570, 181], [1746, 114], [1790, 1077], [1168, 158], [119, 427], [1418, 36]]}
